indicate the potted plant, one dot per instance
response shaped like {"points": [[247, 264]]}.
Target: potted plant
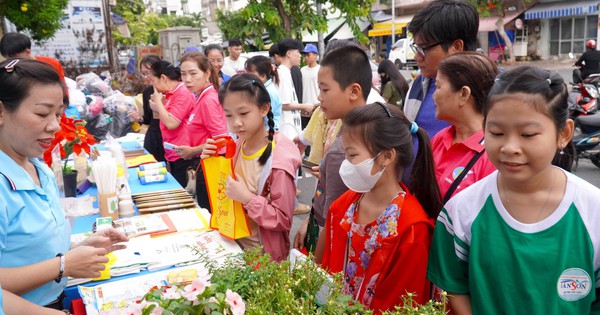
{"points": [[71, 138], [256, 285]]}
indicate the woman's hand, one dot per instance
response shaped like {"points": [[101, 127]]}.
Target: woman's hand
{"points": [[301, 235], [315, 171], [155, 99], [186, 152], [209, 149], [106, 239], [237, 190], [85, 262]]}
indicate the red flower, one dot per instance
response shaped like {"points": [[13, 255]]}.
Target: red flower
{"points": [[72, 137]]}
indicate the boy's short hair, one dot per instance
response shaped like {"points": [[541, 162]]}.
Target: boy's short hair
{"points": [[444, 21], [274, 50], [350, 64], [12, 44], [288, 44], [234, 42]]}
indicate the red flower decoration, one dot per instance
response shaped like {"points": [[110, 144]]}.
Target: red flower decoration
{"points": [[72, 138]]}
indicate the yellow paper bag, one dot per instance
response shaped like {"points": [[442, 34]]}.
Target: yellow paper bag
{"points": [[228, 216]]}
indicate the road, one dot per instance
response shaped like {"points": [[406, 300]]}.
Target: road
{"points": [[585, 169]]}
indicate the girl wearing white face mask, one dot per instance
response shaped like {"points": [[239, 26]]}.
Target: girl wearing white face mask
{"points": [[378, 233]]}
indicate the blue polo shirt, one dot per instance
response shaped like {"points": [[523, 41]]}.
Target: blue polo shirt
{"points": [[33, 227], [276, 106], [1, 303]]}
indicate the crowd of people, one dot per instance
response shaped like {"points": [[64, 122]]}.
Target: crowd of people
{"points": [[458, 183]]}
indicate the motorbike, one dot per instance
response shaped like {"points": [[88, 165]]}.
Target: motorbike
{"points": [[587, 141], [583, 98]]}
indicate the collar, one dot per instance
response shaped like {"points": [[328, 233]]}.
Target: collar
{"points": [[268, 82], [474, 142], [175, 89], [206, 89], [16, 175]]}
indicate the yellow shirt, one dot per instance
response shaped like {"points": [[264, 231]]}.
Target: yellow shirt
{"points": [[247, 169]]}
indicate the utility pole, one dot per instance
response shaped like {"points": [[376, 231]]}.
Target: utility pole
{"points": [[109, 40], [393, 22]]}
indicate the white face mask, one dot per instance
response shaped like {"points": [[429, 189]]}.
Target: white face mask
{"points": [[358, 177]]}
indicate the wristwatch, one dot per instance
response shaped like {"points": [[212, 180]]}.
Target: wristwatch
{"points": [[62, 267]]}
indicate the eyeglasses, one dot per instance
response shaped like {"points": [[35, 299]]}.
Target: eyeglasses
{"points": [[422, 49]]}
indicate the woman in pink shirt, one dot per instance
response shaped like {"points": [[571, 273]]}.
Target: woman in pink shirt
{"points": [[207, 119], [462, 84], [174, 109]]}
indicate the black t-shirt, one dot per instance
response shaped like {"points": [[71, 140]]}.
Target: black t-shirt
{"points": [[592, 61]]}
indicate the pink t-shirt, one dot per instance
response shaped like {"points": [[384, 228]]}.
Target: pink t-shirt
{"points": [[207, 119], [179, 103], [450, 159]]}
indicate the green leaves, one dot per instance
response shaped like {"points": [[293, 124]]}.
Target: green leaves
{"points": [[289, 18], [42, 18]]}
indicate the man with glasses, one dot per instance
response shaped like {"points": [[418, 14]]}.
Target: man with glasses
{"points": [[442, 28]]}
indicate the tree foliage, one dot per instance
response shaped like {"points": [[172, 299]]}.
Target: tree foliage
{"points": [[289, 18], [41, 18], [194, 20], [496, 8]]}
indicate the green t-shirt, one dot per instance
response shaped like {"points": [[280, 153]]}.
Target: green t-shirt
{"points": [[508, 267]]}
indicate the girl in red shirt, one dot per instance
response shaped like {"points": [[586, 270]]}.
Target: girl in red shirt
{"points": [[378, 233]]}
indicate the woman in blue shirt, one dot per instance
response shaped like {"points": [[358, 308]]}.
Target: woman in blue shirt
{"points": [[36, 256]]}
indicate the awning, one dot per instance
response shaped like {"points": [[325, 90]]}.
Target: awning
{"points": [[561, 9], [332, 25], [488, 24], [385, 28], [345, 32]]}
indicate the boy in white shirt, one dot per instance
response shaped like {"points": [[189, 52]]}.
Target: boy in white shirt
{"points": [[235, 63]]}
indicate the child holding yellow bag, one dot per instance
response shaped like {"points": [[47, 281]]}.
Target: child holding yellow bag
{"points": [[265, 165]]}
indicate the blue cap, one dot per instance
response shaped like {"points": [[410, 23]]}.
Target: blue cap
{"points": [[190, 49], [310, 48]]}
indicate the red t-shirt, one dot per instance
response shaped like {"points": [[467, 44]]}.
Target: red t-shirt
{"points": [[207, 119], [179, 103], [387, 257], [450, 159]]}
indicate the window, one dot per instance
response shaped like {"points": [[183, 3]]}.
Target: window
{"points": [[570, 34]]}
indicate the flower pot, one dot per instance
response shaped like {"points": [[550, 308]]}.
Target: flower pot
{"points": [[70, 183]]}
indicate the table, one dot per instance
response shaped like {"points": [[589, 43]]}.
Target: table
{"points": [[84, 224]]}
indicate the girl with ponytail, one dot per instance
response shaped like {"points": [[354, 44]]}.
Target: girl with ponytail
{"points": [[265, 165]]}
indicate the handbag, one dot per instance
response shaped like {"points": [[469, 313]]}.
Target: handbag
{"points": [[228, 216], [191, 174]]}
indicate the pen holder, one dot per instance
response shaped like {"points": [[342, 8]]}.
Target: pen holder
{"points": [[109, 205]]}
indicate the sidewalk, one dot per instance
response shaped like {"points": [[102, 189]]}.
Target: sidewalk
{"points": [[560, 64]]}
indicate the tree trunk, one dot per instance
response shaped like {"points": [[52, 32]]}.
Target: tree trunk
{"points": [[285, 19], [502, 32]]}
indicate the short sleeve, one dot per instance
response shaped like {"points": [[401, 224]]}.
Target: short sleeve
{"points": [[448, 266]]}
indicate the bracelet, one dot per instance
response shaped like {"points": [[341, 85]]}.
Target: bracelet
{"points": [[62, 267]]}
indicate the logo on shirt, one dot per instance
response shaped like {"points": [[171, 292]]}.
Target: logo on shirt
{"points": [[459, 170], [574, 284], [191, 118]]}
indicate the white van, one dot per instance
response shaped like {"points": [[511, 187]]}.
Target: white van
{"points": [[401, 55]]}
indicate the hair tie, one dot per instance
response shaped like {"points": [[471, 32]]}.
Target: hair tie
{"points": [[549, 81], [414, 127], [253, 82]]}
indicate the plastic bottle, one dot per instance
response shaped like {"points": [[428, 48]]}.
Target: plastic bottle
{"points": [[151, 166], [153, 179]]}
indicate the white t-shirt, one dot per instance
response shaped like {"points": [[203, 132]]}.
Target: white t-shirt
{"points": [[290, 123], [310, 85], [232, 68]]}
